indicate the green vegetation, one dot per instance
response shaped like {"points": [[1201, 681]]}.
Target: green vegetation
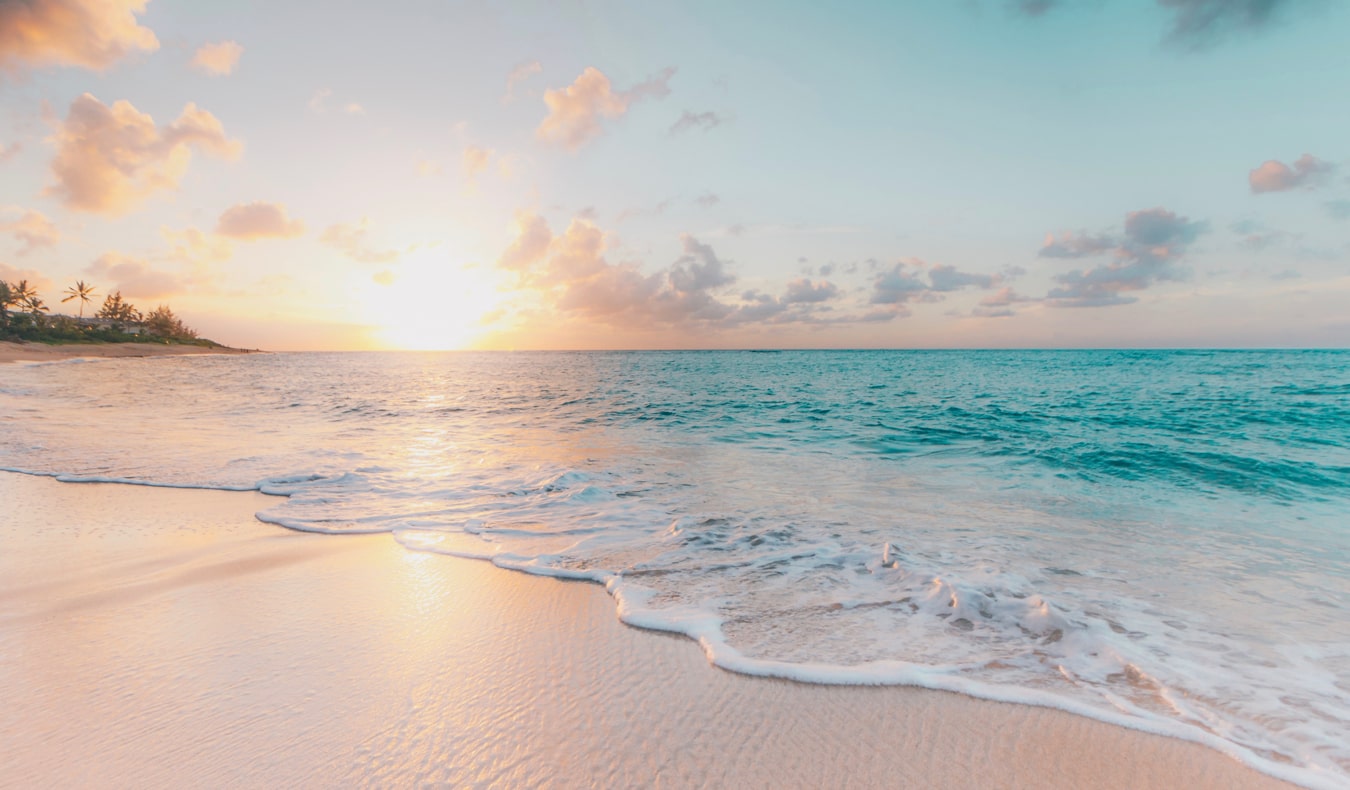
{"points": [[24, 316]]}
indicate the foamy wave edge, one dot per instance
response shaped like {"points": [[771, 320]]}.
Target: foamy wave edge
{"points": [[705, 629]]}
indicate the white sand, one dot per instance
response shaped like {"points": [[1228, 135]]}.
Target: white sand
{"points": [[157, 638]]}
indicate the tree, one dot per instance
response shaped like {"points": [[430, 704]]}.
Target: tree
{"points": [[7, 300], [161, 322], [79, 291], [116, 309]]}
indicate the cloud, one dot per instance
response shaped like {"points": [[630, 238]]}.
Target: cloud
{"points": [[1068, 245], [1274, 176], [575, 278], [903, 282], [134, 277], [1257, 236], [689, 121], [1034, 7], [427, 168], [109, 159], [803, 291], [8, 151], [999, 304], [258, 220], [318, 100], [352, 108], [707, 200], [518, 75], [218, 60], [897, 285], [1153, 241], [350, 239], [36, 280], [947, 278], [1338, 209], [32, 228], [475, 161], [194, 247], [94, 34], [575, 111], [1198, 23]]}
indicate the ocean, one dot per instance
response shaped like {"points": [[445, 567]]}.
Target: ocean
{"points": [[1159, 539]]}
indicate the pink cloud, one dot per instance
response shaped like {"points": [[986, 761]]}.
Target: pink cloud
{"points": [[32, 228], [258, 220], [109, 159], [218, 60], [1276, 176], [94, 34], [575, 112], [134, 277]]}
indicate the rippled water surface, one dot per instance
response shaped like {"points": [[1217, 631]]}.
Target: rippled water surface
{"points": [[1156, 538]]}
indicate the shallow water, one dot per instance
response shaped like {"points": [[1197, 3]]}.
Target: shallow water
{"points": [[1160, 539]]}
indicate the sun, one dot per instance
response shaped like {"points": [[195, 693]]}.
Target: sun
{"points": [[430, 303]]}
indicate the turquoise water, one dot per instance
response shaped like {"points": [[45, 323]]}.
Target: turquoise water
{"points": [[1155, 538]]}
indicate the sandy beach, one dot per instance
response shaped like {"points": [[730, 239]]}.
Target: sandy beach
{"points": [[160, 637], [44, 352]]}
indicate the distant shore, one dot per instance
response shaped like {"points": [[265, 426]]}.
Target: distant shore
{"points": [[45, 352]]}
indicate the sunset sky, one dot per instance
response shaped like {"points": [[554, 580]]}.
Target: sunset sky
{"points": [[974, 173]]}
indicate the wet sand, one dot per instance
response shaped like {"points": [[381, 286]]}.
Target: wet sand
{"points": [[42, 352], [159, 637]]}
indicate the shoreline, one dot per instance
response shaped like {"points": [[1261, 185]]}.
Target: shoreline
{"points": [[259, 655], [11, 351]]}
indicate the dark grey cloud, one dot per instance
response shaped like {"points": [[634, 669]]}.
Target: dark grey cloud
{"points": [[1153, 241]]}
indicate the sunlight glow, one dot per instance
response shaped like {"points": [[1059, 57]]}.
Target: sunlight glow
{"points": [[430, 303]]}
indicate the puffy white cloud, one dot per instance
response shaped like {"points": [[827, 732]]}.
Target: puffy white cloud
{"points": [[94, 34], [218, 59], [575, 112], [109, 159], [258, 220], [32, 229], [1275, 176]]}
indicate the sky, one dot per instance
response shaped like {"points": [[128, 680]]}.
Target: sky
{"points": [[593, 174]]}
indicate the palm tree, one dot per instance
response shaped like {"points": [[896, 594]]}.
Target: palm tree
{"points": [[79, 291], [7, 300]]}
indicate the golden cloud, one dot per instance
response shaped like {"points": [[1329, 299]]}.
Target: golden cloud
{"points": [[258, 220], [109, 159], [94, 34], [32, 228], [218, 60]]}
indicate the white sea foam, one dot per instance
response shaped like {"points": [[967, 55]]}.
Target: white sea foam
{"points": [[804, 552]]}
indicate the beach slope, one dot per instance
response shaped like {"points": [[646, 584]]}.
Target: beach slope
{"points": [[158, 637]]}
